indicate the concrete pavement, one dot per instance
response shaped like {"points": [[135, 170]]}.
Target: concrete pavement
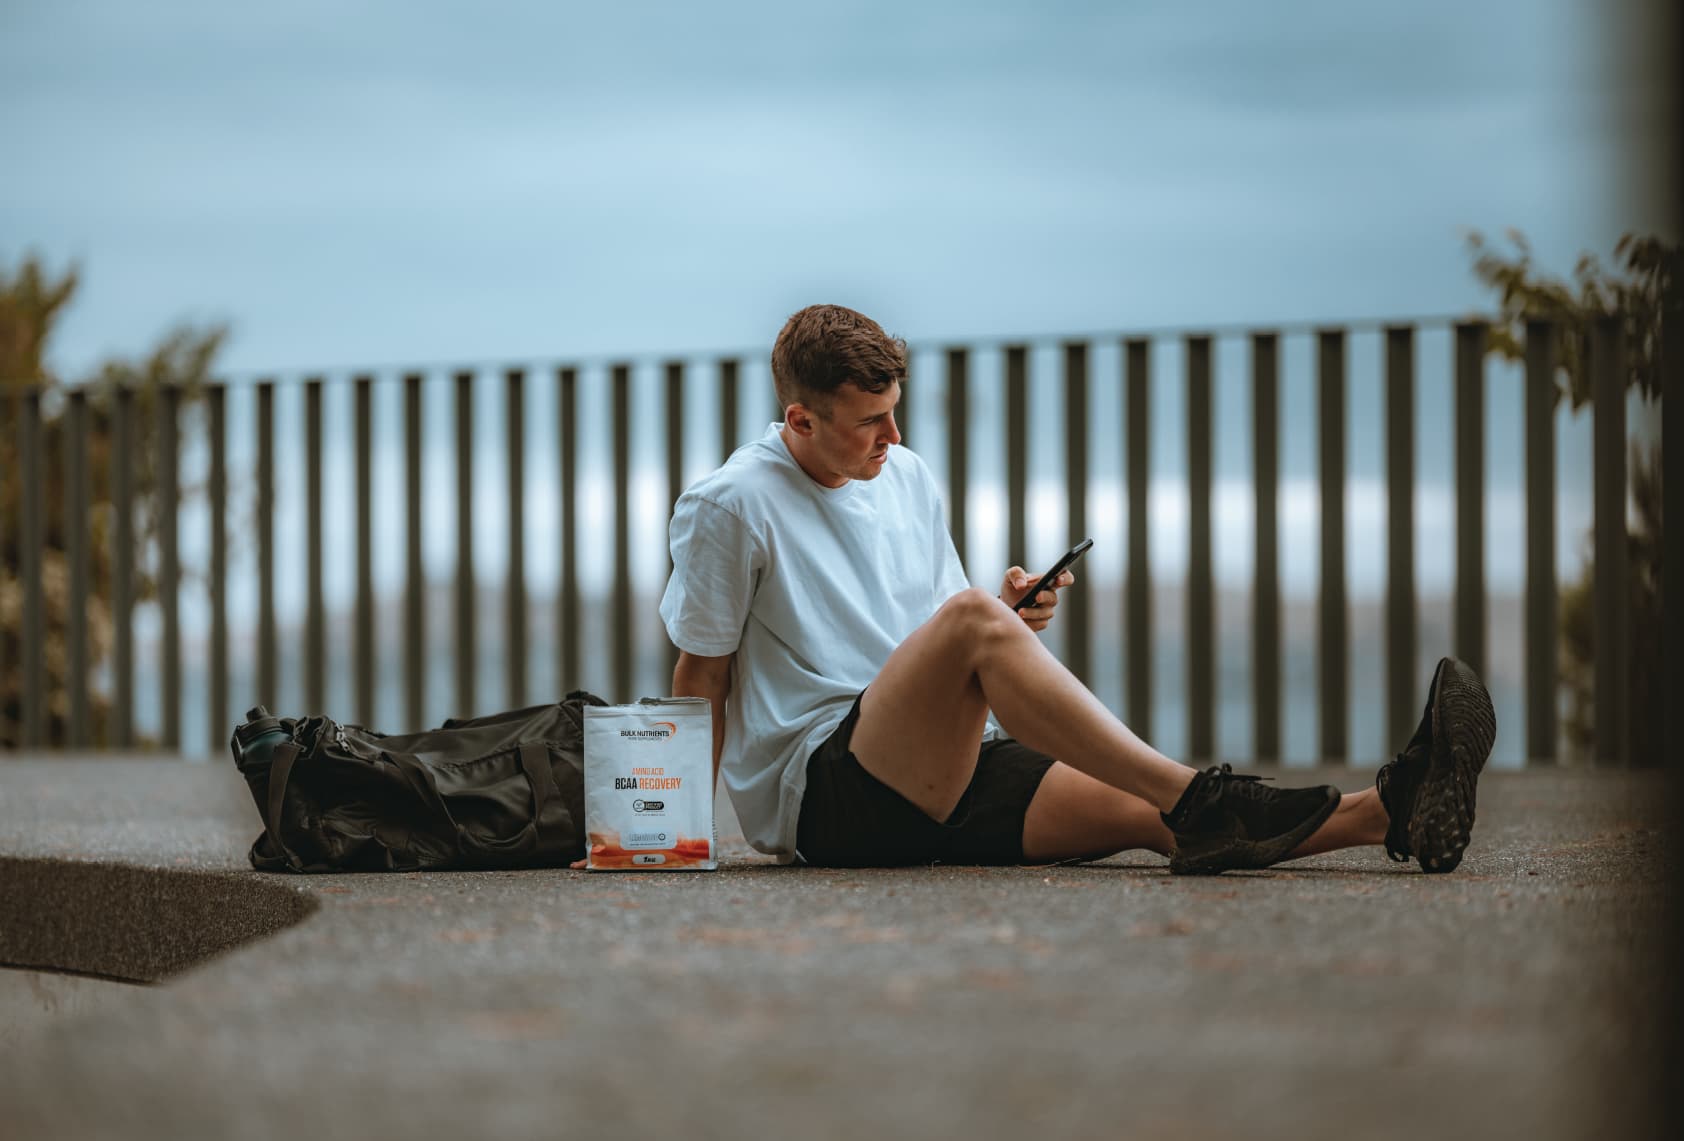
{"points": [[1341, 996]]}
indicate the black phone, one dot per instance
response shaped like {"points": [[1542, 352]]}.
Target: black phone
{"points": [[1058, 568]]}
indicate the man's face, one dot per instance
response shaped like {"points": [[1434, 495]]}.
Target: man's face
{"points": [[853, 441]]}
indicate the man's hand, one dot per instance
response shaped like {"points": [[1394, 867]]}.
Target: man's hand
{"points": [[1038, 613]]}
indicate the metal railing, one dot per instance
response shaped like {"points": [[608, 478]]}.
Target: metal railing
{"points": [[616, 661]]}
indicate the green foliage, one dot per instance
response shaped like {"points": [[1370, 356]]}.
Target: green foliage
{"points": [[32, 298], [29, 304], [1642, 293], [1578, 628], [1634, 292]]}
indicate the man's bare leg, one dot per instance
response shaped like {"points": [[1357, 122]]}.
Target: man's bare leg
{"points": [[1074, 816], [921, 720]]}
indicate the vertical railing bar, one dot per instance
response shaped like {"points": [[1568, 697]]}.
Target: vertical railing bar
{"points": [[268, 643], [675, 475], [1333, 657], [217, 428], [415, 584], [1266, 602], [31, 496], [1541, 593], [1017, 455], [1201, 589], [169, 559], [958, 447], [1672, 491], [363, 387], [1470, 493], [567, 610], [466, 655], [1402, 686], [1610, 575], [514, 597], [315, 619], [1077, 639], [903, 410], [1137, 625], [622, 606], [122, 560], [728, 370], [76, 551]]}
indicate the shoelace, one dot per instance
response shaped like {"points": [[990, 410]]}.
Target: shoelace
{"points": [[1246, 784], [1397, 827]]}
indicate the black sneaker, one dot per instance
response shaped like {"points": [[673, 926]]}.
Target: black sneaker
{"points": [[1428, 789], [1227, 821]]}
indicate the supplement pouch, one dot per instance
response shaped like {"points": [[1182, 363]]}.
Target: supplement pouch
{"points": [[649, 785]]}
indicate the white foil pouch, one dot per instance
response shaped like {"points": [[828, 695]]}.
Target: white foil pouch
{"points": [[649, 785]]}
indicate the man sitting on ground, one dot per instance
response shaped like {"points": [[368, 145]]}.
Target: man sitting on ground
{"points": [[863, 691]]}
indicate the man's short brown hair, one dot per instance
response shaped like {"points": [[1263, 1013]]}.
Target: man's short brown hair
{"points": [[823, 347]]}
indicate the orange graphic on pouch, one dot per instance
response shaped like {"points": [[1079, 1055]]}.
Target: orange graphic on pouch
{"points": [[606, 852]]}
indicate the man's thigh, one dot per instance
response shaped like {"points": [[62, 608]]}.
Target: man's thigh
{"points": [[922, 718]]}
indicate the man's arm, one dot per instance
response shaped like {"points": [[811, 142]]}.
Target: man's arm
{"points": [[696, 676]]}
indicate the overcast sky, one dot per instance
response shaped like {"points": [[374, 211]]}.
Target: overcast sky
{"points": [[399, 182]]}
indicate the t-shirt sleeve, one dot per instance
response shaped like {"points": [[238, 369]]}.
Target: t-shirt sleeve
{"points": [[716, 565]]}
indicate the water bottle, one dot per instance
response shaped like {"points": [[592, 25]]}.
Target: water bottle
{"points": [[254, 745]]}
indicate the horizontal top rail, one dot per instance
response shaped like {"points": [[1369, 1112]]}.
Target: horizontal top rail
{"points": [[298, 375]]}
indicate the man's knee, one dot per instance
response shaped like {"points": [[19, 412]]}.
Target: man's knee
{"points": [[977, 616]]}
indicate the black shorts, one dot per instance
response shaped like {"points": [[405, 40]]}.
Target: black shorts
{"points": [[850, 819]]}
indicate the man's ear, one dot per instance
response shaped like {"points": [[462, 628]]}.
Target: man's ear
{"points": [[800, 419]]}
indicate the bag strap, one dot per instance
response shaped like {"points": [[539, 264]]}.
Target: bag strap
{"points": [[535, 762], [280, 772]]}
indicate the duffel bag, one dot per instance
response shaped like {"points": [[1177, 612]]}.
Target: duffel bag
{"points": [[503, 791]]}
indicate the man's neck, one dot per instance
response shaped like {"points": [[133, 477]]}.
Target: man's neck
{"points": [[797, 451]]}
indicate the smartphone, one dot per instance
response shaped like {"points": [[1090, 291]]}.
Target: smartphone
{"points": [[1058, 568]]}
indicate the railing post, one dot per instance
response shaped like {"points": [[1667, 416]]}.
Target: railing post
{"points": [[567, 612], [122, 564], [268, 643], [1672, 491], [1470, 493], [466, 656], [217, 427], [958, 446], [363, 388], [415, 584], [1077, 653], [1333, 659], [1611, 573], [675, 475], [1402, 686], [1137, 625], [315, 619], [76, 551], [1266, 601], [728, 370], [169, 559], [1542, 643], [268, 652], [514, 595], [31, 496], [620, 381], [1017, 454], [903, 409], [1201, 589]]}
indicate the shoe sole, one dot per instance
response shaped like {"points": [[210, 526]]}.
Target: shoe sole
{"points": [[1234, 853], [1464, 729]]}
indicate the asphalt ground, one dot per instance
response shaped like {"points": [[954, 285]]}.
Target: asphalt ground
{"points": [[1340, 996]]}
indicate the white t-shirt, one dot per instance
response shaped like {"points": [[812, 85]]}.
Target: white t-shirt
{"points": [[812, 588]]}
